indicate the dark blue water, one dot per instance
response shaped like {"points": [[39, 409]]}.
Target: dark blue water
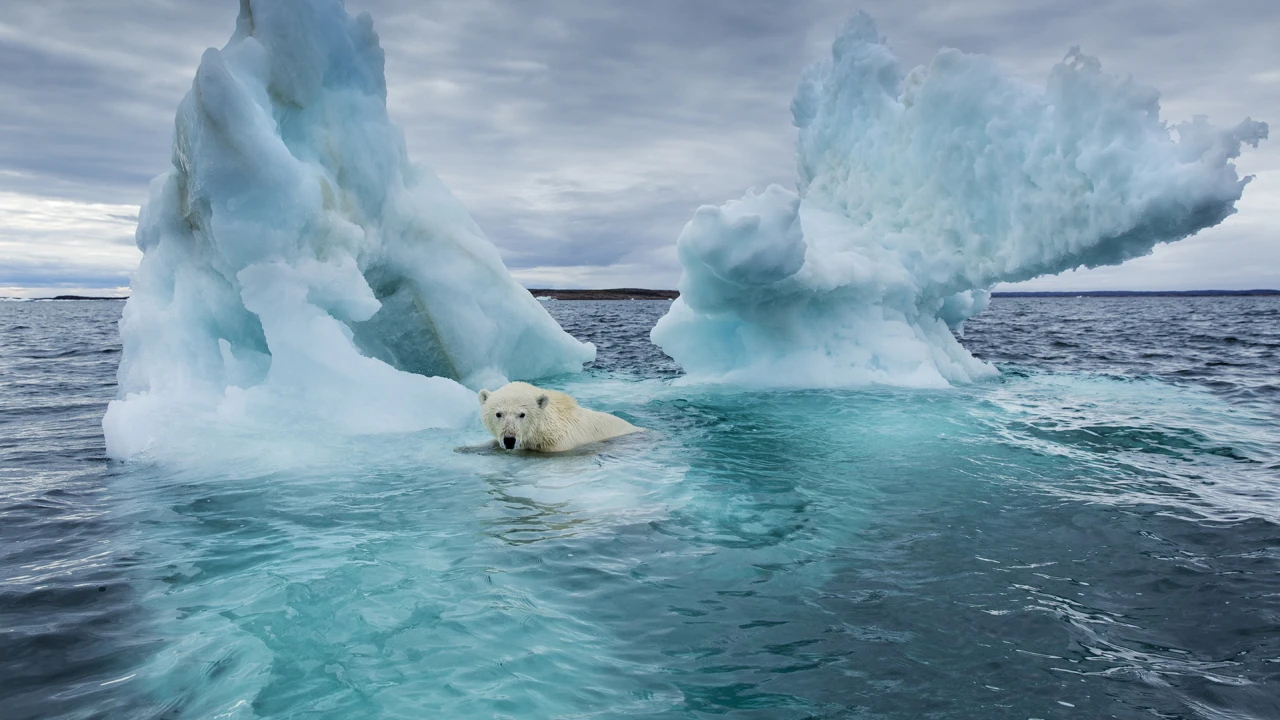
{"points": [[1093, 535]]}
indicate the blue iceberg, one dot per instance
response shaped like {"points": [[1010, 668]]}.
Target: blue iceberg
{"points": [[918, 193], [298, 267]]}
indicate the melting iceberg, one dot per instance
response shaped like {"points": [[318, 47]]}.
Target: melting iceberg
{"points": [[298, 266], [917, 194]]}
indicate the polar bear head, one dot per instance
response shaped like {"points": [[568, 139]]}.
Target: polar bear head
{"points": [[513, 414]]}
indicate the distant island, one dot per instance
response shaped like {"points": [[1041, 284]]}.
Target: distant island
{"points": [[1134, 293], [644, 294], [64, 297], [610, 294]]}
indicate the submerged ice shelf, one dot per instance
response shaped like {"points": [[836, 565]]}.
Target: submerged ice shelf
{"points": [[920, 192], [297, 265]]}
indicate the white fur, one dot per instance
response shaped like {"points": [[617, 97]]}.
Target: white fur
{"points": [[545, 420]]}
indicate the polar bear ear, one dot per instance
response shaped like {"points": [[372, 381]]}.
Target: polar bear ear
{"points": [[542, 402], [484, 396]]}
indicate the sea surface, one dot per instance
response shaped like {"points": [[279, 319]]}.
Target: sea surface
{"points": [[1096, 534]]}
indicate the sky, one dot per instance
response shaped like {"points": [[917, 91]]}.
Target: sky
{"points": [[582, 134]]}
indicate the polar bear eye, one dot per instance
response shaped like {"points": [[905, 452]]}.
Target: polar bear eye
{"points": [[497, 415], [521, 414]]}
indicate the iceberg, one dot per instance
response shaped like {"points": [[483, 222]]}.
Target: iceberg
{"points": [[297, 266], [918, 193]]}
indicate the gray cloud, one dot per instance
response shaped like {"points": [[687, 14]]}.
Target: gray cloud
{"points": [[89, 90], [49, 275], [582, 135]]}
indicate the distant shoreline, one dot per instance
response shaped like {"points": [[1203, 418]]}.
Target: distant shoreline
{"points": [[647, 294], [608, 294], [1135, 293], [643, 294]]}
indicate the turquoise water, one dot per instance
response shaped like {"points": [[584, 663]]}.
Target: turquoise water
{"points": [[1093, 535]]}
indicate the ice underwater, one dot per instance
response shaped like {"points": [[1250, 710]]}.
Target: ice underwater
{"points": [[295, 262], [917, 194]]}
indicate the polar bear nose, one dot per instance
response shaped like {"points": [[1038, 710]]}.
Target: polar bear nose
{"points": [[509, 442]]}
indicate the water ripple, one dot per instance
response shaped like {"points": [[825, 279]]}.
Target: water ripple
{"points": [[1093, 535]]}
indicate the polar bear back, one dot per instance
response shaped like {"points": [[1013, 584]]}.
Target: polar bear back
{"points": [[566, 425], [559, 423]]}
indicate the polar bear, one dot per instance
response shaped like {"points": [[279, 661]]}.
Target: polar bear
{"points": [[521, 416]]}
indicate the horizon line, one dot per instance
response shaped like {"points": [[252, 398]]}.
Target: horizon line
{"points": [[675, 293]]}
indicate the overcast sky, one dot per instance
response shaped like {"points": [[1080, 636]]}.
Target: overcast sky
{"points": [[582, 134]]}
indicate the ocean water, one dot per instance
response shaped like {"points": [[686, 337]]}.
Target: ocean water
{"points": [[1093, 535]]}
